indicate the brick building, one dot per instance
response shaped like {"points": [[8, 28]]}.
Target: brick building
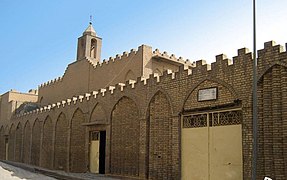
{"points": [[150, 115]]}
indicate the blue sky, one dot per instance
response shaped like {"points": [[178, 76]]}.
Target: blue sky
{"points": [[39, 38]]}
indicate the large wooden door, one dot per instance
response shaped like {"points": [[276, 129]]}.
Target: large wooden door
{"points": [[212, 145]]}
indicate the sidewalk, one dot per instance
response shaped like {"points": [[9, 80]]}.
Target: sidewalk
{"points": [[63, 175]]}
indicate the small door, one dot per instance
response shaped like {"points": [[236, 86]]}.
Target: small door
{"points": [[94, 152], [97, 151]]}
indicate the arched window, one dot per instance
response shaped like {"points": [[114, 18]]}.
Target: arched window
{"points": [[93, 48]]}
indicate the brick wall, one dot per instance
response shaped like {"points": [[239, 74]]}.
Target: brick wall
{"points": [[125, 138], [2, 143], [147, 120], [18, 143], [160, 138], [77, 149], [27, 143], [272, 123], [36, 140], [61, 142], [47, 144], [11, 145]]}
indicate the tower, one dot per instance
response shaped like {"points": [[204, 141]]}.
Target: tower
{"points": [[89, 45]]}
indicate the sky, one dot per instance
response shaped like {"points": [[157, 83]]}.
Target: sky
{"points": [[38, 39]]}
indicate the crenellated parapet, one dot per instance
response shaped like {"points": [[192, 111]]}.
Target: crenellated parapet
{"points": [[51, 82], [172, 57], [119, 57], [271, 54], [239, 66], [96, 65]]}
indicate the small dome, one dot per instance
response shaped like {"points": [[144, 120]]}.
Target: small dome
{"points": [[90, 30]]}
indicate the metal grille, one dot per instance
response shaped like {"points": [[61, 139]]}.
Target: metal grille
{"points": [[95, 136], [194, 121], [227, 118], [220, 118]]}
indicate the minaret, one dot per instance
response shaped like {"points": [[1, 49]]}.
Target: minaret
{"points": [[89, 45]]}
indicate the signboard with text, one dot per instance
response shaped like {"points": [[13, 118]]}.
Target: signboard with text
{"points": [[207, 94]]}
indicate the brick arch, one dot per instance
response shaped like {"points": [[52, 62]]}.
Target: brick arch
{"points": [[47, 144], [98, 114], [61, 142], [125, 131], [27, 142], [77, 147], [260, 76], [159, 125], [130, 75], [36, 140], [272, 122], [159, 90], [2, 143], [18, 142], [228, 95], [11, 143], [7, 129]]}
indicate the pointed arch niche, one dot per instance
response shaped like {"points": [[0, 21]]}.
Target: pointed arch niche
{"points": [[272, 121], [46, 150], [36, 140], [160, 137], [225, 94], [18, 142], [130, 75], [98, 115], [11, 145], [125, 138], [26, 143], [77, 147], [61, 142]]}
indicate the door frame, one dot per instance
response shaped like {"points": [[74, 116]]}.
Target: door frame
{"points": [[102, 149]]}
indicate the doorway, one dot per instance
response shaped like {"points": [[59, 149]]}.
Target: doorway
{"points": [[97, 151]]}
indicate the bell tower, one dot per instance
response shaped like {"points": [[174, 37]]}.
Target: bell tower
{"points": [[89, 45]]}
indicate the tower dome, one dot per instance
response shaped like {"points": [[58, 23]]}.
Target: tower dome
{"points": [[90, 30]]}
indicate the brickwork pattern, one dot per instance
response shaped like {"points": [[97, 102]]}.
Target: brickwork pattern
{"points": [[27, 143], [61, 142], [98, 115], [47, 149], [2, 143], [224, 96], [125, 138], [18, 143], [180, 91], [77, 148], [160, 138], [11, 145], [36, 140], [272, 162]]}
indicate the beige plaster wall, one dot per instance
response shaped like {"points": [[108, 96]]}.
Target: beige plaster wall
{"points": [[11, 100], [82, 76], [163, 66]]}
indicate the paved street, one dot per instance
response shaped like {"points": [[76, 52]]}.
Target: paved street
{"points": [[8, 172]]}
